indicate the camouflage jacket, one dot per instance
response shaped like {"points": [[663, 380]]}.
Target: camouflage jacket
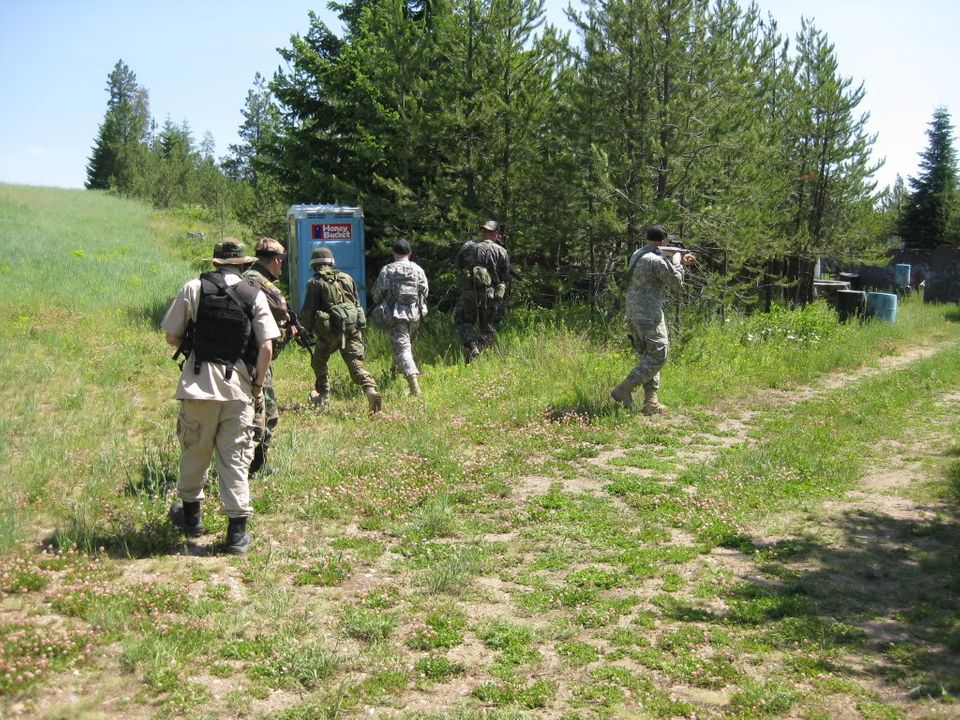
{"points": [[275, 299], [486, 254], [402, 287], [650, 277]]}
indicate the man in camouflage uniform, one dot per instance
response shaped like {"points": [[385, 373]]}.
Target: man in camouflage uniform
{"points": [[265, 271], [328, 292], [650, 277], [400, 294], [484, 267]]}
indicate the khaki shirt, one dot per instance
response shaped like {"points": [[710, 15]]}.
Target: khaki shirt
{"points": [[211, 382]]}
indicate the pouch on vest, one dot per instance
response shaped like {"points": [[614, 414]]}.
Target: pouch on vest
{"points": [[481, 277], [223, 332]]}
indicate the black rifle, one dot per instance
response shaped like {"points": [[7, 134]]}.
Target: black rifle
{"points": [[186, 344], [302, 337]]}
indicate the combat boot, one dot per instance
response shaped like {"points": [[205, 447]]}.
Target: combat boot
{"points": [[651, 404], [623, 394], [473, 352], [374, 399], [414, 383], [186, 516], [238, 539], [320, 398]]}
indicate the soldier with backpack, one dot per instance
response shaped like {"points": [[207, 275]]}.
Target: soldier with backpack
{"points": [[333, 315], [400, 296], [484, 267], [223, 325]]}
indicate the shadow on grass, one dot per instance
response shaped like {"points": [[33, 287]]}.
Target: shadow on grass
{"points": [[953, 314], [887, 590], [582, 409], [151, 313]]}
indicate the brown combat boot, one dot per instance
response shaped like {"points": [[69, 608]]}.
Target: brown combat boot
{"points": [[374, 399], [414, 382], [651, 404], [623, 394]]}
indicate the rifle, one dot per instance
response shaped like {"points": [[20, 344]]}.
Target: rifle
{"points": [[186, 345], [302, 337]]}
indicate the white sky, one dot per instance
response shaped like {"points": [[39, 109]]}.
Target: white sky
{"points": [[198, 59]]}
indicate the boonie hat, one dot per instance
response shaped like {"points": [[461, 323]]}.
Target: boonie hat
{"points": [[658, 233], [231, 252], [321, 256], [489, 226]]}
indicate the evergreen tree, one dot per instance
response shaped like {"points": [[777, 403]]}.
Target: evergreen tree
{"points": [[927, 221], [119, 150]]}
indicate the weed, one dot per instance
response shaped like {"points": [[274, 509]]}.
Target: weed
{"points": [[370, 625], [438, 668], [328, 571]]}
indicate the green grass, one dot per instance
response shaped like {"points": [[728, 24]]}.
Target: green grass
{"points": [[477, 546]]}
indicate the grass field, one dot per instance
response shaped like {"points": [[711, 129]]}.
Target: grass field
{"points": [[782, 544]]}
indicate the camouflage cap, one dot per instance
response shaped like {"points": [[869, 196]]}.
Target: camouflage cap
{"points": [[231, 252], [489, 226], [321, 256]]}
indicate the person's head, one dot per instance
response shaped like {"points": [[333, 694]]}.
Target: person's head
{"points": [[321, 257], [231, 252], [401, 249], [489, 230], [271, 254], [657, 235]]}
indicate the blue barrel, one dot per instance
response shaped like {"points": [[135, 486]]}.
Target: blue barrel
{"points": [[901, 275], [882, 306]]}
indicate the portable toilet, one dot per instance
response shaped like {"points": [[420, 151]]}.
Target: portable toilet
{"points": [[337, 227]]}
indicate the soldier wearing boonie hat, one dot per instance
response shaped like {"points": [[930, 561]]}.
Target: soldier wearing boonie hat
{"points": [[220, 382]]}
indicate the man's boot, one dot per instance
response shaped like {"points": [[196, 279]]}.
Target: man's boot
{"points": [[651, 404], [623, 394], [414, 383], [238, 539], [186, 516], [374, 399]]}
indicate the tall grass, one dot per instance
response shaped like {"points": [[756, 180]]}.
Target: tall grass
{"points": [[87, 437]]}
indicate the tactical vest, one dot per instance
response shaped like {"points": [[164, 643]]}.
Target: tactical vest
{"points": [[223, 332]]}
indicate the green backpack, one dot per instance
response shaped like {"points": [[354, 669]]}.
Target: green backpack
{"points": [[346, 317]]}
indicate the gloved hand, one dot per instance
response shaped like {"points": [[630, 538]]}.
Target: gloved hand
{"points": [[489, 293], [501, 291]]}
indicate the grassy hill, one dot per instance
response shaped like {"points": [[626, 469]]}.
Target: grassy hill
{"points": [[513, 544]]}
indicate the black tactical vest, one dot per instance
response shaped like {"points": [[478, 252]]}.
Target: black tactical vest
{"points": [[223, 332]]}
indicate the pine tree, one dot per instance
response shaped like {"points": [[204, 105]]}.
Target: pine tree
{"points": [[927, 220], [119, 150]]}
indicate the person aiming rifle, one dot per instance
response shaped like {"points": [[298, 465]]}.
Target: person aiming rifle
{"points": [[650, 275]]}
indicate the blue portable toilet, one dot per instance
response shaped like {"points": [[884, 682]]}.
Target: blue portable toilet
{"points": [[337, 227]]}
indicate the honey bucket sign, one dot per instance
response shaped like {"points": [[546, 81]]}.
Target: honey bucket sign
{"points": [[331, 231]]}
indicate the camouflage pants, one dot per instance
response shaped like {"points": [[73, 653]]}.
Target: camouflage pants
{"points": [[350, 350], [402, 335], [476, 318], [267, 415], [651, 343]]}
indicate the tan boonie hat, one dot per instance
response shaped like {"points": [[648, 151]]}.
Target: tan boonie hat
{"points": [[489, 226], [321, 256], [231, 252]]}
